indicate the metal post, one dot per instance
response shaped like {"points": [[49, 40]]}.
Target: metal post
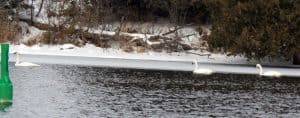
{"points": [[6, 88]]}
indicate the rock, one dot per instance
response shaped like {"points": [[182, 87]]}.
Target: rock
{"points": [[67, 46], [186, 46]]}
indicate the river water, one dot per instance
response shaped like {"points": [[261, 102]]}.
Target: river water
{"points": [[64, 91]]}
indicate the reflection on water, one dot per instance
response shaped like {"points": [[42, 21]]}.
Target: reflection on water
{"points": [[4, 105], [71, 91]]}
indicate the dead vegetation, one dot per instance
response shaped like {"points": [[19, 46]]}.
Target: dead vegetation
{"points": [[72, 24], [64, 31], [55, 35], [8, 27]]}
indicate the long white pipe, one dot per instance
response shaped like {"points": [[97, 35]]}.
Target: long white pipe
{"points": [[292, 71]]}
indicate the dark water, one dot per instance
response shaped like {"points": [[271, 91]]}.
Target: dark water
{"points": [[56, 91]]}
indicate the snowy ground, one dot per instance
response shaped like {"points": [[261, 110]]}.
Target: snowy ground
{"points": [[93, 51]]}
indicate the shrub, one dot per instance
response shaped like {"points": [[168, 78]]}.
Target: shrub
{"points": [[149, 10], [255, 28], [8, 27]]}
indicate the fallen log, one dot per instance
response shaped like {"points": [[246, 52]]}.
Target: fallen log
{"points": [[60, 32], [172, 31]]}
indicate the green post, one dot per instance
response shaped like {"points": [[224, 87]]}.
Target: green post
{"points": [[6, 88]]}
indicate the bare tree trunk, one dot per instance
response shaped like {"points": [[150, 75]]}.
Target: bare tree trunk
{"points": [[31, 12], [296, 59], [40, 9]]}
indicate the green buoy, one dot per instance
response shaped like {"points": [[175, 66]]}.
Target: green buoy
{"points": [[6, 88]]}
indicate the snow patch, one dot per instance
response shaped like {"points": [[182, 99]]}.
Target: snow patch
{"points": [[92, 51]]}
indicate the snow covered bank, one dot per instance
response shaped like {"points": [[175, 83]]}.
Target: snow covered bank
{"points": [[96, 52], [172, 48]]}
